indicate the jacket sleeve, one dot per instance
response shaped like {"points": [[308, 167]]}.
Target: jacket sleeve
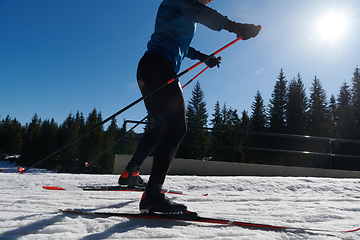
{"points": [[197, 12]]}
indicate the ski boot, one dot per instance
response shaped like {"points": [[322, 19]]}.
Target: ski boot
{"points": [[130, 177], [153, 200]]}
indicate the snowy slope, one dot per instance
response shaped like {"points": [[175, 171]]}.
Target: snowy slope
{"points": [[29, 212]]}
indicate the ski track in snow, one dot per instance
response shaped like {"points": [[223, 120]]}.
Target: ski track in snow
{"points": [[29, 212]]}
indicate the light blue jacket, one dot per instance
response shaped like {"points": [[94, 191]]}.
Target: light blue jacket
{"points": [[175, 27]]}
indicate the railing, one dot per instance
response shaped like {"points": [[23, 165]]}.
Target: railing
{"points": [[233, 147]]}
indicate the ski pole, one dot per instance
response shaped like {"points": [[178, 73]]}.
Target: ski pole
{"points": [[87, 164], [22, 170]]}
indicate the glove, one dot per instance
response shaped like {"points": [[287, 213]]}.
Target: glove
{"points": [[246, 31], [211, 62]]}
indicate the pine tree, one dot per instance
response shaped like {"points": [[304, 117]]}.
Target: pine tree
{"points": [[69, 157], [277, 118], [196, 110], [216, 123], [221, 121], [345, 128], [226, 138], [231, 122], [319, 124], [225, 119], [296, 117], [258, 119], [258, 122], [235, 119], [345, 120], [93, 144], [277, 105], [355, 99], [11, 136], [48, 143], [196, 115], [319, 118], [80, 122], [296, 107], [30, 151], [245, 121]]}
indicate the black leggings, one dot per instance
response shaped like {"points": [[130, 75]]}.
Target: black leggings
{"points": [[167, 108]]}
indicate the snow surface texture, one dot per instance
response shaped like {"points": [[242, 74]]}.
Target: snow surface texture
{"points": [[29, 212]]}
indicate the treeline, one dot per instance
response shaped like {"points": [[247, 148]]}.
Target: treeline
{"points": [[40, 138], [289, 111]]}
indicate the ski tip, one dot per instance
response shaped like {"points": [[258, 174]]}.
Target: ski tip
{"points": [[67, 211], [354, 230], [53, 188], [21, 170]]}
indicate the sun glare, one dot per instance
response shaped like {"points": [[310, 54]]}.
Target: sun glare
{"points": [[332, 26]]}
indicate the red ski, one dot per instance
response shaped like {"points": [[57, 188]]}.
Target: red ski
{"points": [[193, 217]]}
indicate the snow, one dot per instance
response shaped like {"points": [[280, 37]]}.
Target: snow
{"points": [[29, 212]]}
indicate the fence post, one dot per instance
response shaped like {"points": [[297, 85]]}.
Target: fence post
{"points": [[123, 140], [232, 147], [330, 154]]}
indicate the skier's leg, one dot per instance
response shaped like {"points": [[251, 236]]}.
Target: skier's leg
{"points": [[153, 200], [167, 107], [174, 119], [153, 72]]}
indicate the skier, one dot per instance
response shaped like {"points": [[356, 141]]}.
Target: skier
{"points": [[169, 44]]}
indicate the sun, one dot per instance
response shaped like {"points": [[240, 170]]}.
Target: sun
{"points": [[332, 26]]}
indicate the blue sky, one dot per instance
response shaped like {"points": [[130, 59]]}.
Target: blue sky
{"points": [[60, 57]]}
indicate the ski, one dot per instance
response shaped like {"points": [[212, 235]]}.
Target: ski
{"points": [[194, 217], [115, 188]]}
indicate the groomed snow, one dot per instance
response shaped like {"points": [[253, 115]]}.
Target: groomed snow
{"points": [[29, 212]]}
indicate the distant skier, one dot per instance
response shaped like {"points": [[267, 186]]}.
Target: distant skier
{"points": [[169, 45]]}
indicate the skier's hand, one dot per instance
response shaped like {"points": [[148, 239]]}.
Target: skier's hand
{"points": [[211, 62], [244, 30]]}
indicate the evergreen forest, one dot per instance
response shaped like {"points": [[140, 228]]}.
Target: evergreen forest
{"points": [[225, 135]]}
